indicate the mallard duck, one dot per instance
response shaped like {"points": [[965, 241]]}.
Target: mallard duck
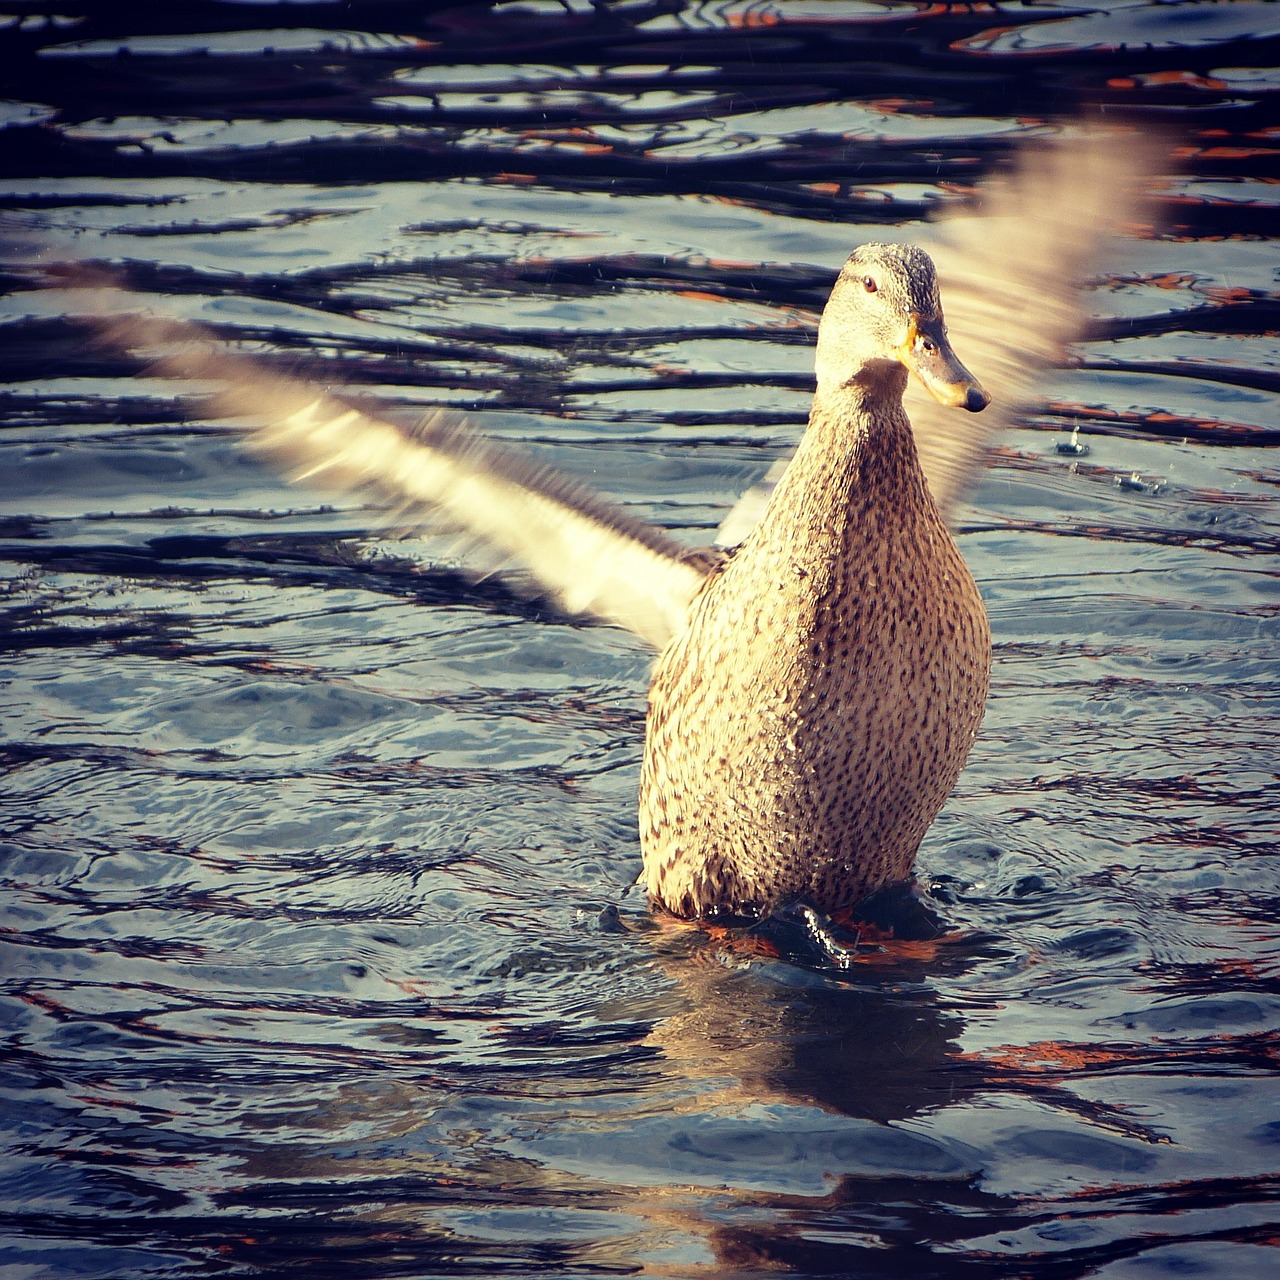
{"points": [[812, 715], [818, 689]]}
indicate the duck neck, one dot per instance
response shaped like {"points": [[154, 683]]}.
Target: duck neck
{"points": [[855, 473]]}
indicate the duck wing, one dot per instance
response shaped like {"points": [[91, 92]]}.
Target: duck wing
{"points": [[591, 557], [1010, 274]]}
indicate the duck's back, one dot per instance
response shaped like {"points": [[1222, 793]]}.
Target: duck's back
{"points": [[808, 724]]}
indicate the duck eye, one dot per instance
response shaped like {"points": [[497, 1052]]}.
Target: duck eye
{"points": [[869, 284]]}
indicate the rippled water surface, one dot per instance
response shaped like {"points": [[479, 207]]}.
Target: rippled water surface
{"points": [[320, 946]]}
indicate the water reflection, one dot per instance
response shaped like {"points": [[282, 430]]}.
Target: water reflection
{"points": [[745, 1129]]}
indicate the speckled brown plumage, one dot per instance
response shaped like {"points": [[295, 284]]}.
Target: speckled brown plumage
{"points": [[806, 726]]}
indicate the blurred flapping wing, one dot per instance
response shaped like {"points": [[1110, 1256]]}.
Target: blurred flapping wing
{"points": [[590, 557], [1011, 274]]}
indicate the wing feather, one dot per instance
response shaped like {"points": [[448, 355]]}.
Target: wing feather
{"points": [[591, 557]]}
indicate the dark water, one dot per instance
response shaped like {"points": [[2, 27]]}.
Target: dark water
{"points": [[306, 852]]}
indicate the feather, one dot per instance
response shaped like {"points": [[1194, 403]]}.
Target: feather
{"points": [[591, 557]]}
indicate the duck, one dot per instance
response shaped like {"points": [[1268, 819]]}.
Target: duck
{"points": [[821, 673], [810, 718]]}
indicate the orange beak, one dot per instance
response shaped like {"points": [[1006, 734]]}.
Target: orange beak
{"points": [[927, 353]]}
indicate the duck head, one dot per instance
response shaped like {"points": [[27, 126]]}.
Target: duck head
{"points": [[885, 315]]}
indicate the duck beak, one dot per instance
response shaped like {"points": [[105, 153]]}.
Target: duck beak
{"points": [[927, 353]]}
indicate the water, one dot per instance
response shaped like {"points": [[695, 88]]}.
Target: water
{"points": [[310, 855]]}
